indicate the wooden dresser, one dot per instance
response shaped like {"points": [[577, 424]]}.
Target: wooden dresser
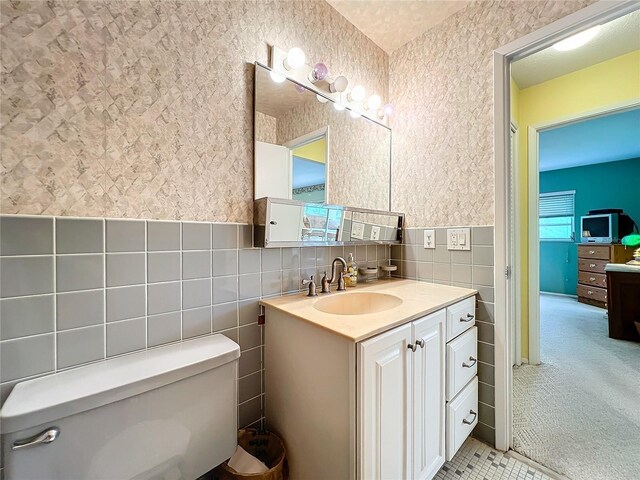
{"points": [[592, 279]]}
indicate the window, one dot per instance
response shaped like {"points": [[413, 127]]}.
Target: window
{"points": [[557, 214]]}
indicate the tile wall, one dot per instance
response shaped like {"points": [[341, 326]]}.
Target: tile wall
{"points": [[79, 290], [471, 269]]}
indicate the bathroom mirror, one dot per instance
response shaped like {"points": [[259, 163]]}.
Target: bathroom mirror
{"points": [[307, 150], [285, 223]]}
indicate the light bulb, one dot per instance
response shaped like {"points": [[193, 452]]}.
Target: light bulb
{"points": [[354, 113], [340, 84], [277, 77], [576, 40], [321, 99], [300, 88], [318, 72], [295, 59], [338, 106], [374, 102], [388, 110], [357, 94]]}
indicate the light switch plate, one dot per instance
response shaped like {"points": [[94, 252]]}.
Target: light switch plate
{"points": [[375, 233], [459, 239], [429, 239], [357, 230]]}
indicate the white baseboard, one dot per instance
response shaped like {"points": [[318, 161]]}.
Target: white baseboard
{"points": [[558, 294]]}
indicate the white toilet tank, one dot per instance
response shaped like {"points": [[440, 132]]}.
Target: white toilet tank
{"points": [[167, 413]]}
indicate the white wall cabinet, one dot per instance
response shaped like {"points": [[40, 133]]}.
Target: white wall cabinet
{"points": [[372, 410]]}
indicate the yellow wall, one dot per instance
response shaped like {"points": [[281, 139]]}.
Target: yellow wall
{"points": [[606, 84], [315, 150]]}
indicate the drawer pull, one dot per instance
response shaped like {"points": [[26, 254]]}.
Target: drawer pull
{"points": [[469, 365], [412, 347], [589, 292], [468, 319], [592, 279], [591, 252], [469, 422], [420, 343], [592, 265]]}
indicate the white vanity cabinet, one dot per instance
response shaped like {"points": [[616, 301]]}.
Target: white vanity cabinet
{"points": [[401, 401], [367, 407]]}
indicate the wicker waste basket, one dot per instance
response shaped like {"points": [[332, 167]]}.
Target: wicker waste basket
{"points": [[265, 446]]}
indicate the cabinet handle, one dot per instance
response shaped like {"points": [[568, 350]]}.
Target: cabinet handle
{"points": [[592, 265], [420, 343], [412, 347], [469, 422], [589, 292], [591, 252], [469, 365], [41, 438], [592, 279], [468, 319]]}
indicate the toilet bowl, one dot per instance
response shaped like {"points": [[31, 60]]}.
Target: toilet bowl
{"points": [[167, 413]]}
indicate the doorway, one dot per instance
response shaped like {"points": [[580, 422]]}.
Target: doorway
{"points": [[509, 216]]}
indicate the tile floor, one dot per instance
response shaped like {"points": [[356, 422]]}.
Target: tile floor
{"points": [[477, 461], [577, 413]]}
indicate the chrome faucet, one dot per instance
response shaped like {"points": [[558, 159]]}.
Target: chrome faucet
{"points": [[326, 283], [312, 286]]}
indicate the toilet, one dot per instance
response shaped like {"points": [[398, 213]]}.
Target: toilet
{"points": [[168, 413]]}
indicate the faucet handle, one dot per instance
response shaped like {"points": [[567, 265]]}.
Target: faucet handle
{"points": [[312, 286], [326, 286]]}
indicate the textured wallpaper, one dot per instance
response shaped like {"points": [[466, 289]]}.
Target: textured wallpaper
{"points": [[442, 86], [265, 128], [145, 109], [359, 153]]}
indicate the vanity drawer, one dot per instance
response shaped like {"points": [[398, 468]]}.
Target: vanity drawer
{"points": [[593, 279], [462, 358], [600, 252], [462, 417], [461, 317], [595, 266]]}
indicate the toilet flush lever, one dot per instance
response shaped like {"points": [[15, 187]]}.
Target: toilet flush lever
{"points": [[41, 438]]}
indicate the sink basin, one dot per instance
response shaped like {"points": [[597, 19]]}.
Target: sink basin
{"points": [[357, 303]]}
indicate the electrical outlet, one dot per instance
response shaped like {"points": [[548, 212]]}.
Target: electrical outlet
{"points": [[459, 239], [375, 233], [357, 230], [429, 239]]}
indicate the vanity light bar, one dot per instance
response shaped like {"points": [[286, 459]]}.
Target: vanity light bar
{"points": [[292, 64]]}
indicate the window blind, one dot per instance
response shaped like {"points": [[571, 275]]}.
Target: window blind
{"points": [[557, 204]]}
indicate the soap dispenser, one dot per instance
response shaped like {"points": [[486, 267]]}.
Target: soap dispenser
{"points": [[351, 278]]}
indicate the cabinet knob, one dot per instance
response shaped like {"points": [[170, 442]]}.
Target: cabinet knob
{"points": [[591, 252], [412, 347], [420, 343], [592, 279], [589, 292], [592, 265], [469, 422]]}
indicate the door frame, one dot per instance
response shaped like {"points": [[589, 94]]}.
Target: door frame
{"points": [[595, 14], [533, 211], [310, 137]]}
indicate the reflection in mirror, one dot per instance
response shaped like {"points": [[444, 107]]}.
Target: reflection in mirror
{"points": [[308, 150], [280, 222]]}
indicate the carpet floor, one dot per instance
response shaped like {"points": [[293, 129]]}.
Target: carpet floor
{"points": [[578, 413]]}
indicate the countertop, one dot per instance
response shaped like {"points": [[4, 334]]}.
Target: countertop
{"points": [[622, 267], [418, 299]]}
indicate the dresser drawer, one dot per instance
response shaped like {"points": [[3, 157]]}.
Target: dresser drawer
{"points": [[600, 252], [594, 293], [593, 279], [462, 417], [462, 358], [595, 266], [461, 317]]}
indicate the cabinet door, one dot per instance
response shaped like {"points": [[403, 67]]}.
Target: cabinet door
{"points": [[428, 395], [384, 386]]}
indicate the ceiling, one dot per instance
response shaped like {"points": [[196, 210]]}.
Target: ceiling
{"points": [[598, 140], [392, 23], [615, 38]]}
